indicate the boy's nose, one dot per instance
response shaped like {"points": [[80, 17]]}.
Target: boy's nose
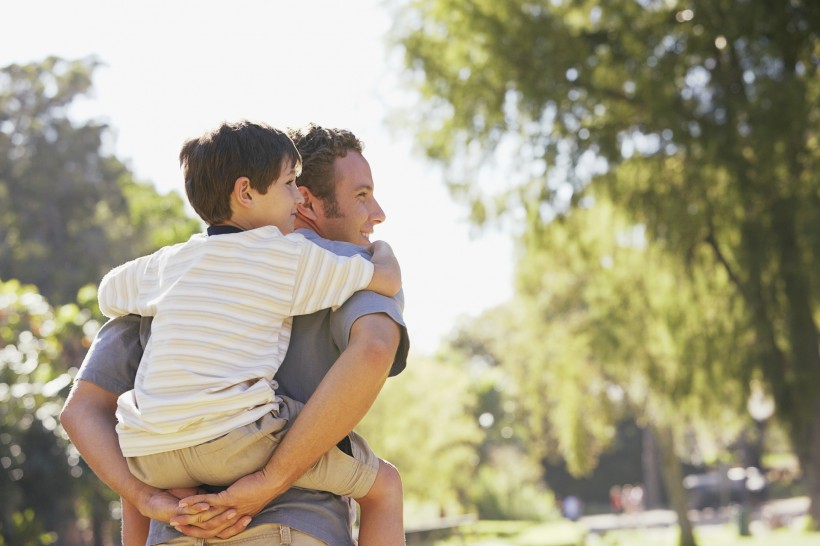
{"points": [[297, 195]]}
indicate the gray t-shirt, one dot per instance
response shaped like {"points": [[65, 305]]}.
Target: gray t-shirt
{"points": [[316, 342]]}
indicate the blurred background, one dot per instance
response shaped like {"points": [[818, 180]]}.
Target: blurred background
{"points": [[607, 214]]}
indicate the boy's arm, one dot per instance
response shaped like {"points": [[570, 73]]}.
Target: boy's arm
{"points": [[117, 293], [387, 273], [341, 401], [325, 280]]}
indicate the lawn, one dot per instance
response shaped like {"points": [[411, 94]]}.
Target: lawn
{"points": [[565, 533]]}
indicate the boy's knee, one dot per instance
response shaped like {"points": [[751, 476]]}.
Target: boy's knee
{"points": [[389, 476]]}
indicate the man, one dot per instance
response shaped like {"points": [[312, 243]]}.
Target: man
{"points": [[337, 363]]}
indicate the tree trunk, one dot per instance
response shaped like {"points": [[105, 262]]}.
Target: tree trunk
{"points": [[804, 341], [651, 470], [813, 468], [673, 479]]}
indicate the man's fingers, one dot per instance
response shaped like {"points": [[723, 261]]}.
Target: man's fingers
{"points": [[236, 528], [209, 519], [193, 508], [197, 499], [225, 523]]}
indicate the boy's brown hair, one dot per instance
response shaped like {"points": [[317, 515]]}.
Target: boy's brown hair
{"points": [[212, 163], [319, 148]]}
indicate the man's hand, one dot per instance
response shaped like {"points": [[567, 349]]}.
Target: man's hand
{"points": [[196, 519], [246, 498]]}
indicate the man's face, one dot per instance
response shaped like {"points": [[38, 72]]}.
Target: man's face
{"points": [[357, 212]]}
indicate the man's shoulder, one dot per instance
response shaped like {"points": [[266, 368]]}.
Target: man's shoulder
{"points": [[342, 248]]}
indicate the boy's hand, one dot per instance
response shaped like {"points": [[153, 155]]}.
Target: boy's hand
{"points": [[387, 275], [381, 247]]}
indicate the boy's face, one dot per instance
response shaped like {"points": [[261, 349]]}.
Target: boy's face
{"points": [[358, 210], [277, 207]]}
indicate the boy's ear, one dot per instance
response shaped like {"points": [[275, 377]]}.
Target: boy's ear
{"points": [[241, 193], [308, 207]]}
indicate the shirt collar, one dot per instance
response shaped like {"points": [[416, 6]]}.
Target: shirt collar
{"points": [[222, 230]]}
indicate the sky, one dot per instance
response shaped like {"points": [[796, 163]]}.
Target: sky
{"points": [[173, 69]]}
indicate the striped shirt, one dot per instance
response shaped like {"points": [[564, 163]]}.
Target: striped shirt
{"points": [[222, 307]]}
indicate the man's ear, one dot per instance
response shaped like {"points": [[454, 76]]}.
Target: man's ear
{"points": [[308, 207], [241, 193]]}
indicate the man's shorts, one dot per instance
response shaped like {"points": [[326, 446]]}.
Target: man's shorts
{"points": [[268, 534]]}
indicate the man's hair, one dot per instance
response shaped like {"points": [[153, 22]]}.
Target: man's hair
{"points": [[319, 148], [212, 163]]}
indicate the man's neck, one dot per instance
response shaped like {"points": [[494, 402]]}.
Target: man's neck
{"points": [[305, 223]]}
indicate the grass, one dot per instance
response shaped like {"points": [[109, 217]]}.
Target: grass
{"points": [[520, 533], [725, 535], [565, 533]]}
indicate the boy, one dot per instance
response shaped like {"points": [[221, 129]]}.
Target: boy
{"points": [[209, 395]]}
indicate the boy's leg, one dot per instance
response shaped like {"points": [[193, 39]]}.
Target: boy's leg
{"points": [[381, 522], [375, 484], [221, 461]]}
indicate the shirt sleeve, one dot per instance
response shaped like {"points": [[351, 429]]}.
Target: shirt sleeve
{"points": [[112, 361], [326, 280], [369, 303], [118, 294]]}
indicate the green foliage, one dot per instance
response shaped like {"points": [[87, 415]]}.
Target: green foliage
{"points": [[698, 121], [62, 199], [439, 426], [63, 202], [38, 346], [508, 486]]}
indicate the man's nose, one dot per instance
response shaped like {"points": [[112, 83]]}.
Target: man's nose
{"points": [[376, 213]]}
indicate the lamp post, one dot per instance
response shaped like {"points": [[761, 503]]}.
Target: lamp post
{"points": [[761, 408]]}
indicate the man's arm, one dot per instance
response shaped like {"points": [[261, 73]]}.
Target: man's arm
{"points": [[342, 399], [88, 418]]}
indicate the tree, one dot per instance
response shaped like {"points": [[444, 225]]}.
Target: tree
{"points": [[439, 467], [607, 326], [68, 213], [38, 346], [697, 118], [62, 199]]}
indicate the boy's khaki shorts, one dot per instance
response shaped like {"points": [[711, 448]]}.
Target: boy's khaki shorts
{"points": [[245, 450]]}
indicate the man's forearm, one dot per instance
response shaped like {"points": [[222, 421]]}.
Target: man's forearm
{"points": [[89, 420], [342, 399]]}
